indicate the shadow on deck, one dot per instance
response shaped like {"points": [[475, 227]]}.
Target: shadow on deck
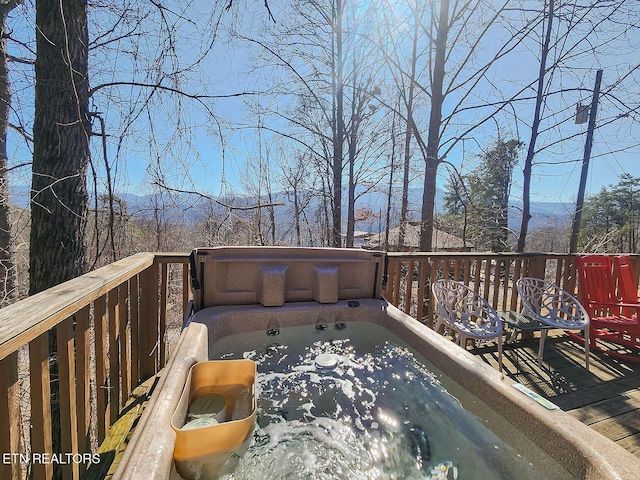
{"points": [[607, 397]]}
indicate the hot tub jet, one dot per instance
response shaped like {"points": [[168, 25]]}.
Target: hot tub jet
{"points": [[327, 362]]}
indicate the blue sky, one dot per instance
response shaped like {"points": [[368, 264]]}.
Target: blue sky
{"points": [[220, 151]]}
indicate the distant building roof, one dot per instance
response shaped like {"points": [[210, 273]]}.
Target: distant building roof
{"points": [[441, 241]]}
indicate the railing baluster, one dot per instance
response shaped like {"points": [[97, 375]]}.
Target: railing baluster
{"points": [[507, 284], [123, 320], [134, 305], [164, 293], [467, 271], [433, 276], [83, 384], [68, 406], [422, 285], [396, 281], [514, 294], [478, 273], [497, 280], [408, 291], [446, 263], [102, 361], [114, 354], [457, 269], [153, 326], [488, 275], [10, 416], [41, 443]]}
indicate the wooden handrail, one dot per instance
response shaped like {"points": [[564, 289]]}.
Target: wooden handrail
{"points": [[25, 320], [111, 325]]}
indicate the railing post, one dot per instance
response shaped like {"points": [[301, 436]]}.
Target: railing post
{"points": [[186, 287], [10, 417]]}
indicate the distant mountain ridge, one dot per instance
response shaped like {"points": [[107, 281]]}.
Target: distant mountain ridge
{"points": [[191, 206]]}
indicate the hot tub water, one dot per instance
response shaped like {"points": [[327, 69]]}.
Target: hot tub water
{"points": [[357, 403]]}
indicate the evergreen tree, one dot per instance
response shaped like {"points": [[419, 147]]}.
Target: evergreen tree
{"points": [[610, 218], [479, 202]]}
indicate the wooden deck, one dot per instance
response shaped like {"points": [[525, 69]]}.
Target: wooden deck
{"points": [[607, 397]]}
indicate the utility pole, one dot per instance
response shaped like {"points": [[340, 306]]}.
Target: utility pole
{"points": [[577, 217]]}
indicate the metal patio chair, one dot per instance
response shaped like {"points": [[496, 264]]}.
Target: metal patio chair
{"points": [[466, 312], [555, 307]]}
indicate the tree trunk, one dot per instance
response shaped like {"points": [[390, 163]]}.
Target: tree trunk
{"points": [[535, 125], [7, 267], [338, 129], [61, 131], [351, 195], [296, 216], [435, 121], [404, 209], [356, 119], [390, 193]]}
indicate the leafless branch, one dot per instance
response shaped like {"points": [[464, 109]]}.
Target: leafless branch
{"points": [[214, 200]]}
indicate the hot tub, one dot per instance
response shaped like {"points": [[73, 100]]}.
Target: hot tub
{"points": [[327, 295]]}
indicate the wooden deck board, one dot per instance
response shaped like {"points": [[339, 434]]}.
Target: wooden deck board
{"points": [[607, 397], [619, 427], [609, 407], [631, 443]]}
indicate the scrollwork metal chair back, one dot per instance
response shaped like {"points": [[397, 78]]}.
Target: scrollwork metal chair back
{"points": [[553, 306], [466, 312]]}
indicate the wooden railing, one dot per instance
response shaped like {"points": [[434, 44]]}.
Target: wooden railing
{"points": [[111, 327], [493, 275]]}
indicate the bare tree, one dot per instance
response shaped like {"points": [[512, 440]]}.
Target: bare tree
{"points": [[7, 268], [576, 34], [448, 59], [325, 78], [457, 70]]}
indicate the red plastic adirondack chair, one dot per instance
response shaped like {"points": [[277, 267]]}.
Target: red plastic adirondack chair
{"points": [[612, 319]]}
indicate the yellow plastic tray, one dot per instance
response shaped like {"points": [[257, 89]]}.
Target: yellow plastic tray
{"points": [[215, 376]]}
